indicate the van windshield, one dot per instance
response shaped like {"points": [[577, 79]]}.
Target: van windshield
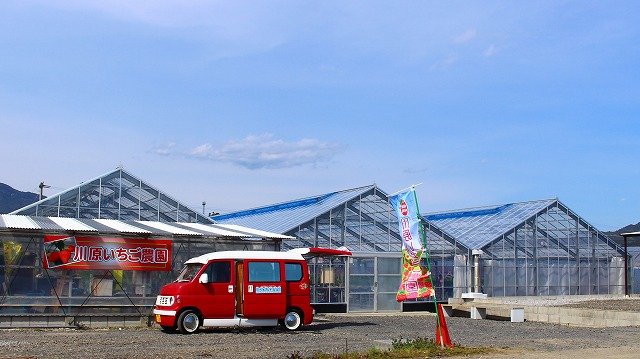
{"points": [[189, 272]]}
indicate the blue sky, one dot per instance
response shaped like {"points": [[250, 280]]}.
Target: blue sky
{"points": [[247, 103]]}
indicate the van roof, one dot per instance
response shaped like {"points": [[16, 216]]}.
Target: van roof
{"points": [[205, 258]]}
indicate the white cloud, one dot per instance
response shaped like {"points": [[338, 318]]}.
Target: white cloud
{"points": [[445, 63], [232, 29], [256, 152], [466, 36], [201, 151], [490, 51], [160, 13], [415, 170], [165, 149]]}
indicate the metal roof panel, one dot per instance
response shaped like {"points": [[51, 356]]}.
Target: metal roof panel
{"points": [[46, 224], [208, 229], [111, 226], [166, 227], [18, 222], [72, 224], [121, 226], [252, 232]]}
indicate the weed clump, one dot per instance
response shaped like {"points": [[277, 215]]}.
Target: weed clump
{"points": [[403, 348]]}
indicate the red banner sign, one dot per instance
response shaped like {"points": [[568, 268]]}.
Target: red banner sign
{"points": [[96, 253]]}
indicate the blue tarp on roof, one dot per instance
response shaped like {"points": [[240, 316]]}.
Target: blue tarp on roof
{"points": [[273, 208], [467, 213], [286, 216]]}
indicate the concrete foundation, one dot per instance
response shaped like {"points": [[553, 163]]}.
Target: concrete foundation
{"points": [[481, 308]]}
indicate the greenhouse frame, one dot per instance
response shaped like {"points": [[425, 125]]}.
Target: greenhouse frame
{"points": [[534, 248], [114, 195]]}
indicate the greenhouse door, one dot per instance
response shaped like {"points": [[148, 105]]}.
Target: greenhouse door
{"points": [[373, 283]]}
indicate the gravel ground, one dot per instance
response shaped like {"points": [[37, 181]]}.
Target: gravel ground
{"points": [[328, 334]]}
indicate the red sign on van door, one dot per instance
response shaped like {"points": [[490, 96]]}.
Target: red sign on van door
{"points": [[264, 288]]}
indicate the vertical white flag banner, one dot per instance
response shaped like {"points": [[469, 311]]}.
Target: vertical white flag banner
{"points": [[407, 211]]}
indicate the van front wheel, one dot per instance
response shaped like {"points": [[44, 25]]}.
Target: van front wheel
{"points": [[293, 320], [188, 322]]}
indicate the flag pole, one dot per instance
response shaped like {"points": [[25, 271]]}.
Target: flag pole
{"points": [[417, 280], [423, 237], [412, 187]]}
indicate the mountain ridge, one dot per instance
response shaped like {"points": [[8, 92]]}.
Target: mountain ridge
{"points": [[12, 199]]}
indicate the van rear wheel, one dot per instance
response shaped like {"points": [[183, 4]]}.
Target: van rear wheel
{"points": [[188, 322], [292, 320]]}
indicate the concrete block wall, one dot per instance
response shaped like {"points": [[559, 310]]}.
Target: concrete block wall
{"points": [[582, 317], [502, 307]]}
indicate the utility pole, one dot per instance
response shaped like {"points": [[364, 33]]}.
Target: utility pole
{"points": [[203, 204], [42, 186]]}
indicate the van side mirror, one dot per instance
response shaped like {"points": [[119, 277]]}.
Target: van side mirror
{"points": [[204, 278]]}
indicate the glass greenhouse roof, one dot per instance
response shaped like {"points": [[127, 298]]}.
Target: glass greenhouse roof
{"points": [[115, 195], [477, 227], [362, 220]]}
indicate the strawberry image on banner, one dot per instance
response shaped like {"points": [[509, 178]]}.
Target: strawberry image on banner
{"points": [[415, 279]]}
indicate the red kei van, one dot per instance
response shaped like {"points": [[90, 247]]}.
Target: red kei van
{"points": [[240, 288]]}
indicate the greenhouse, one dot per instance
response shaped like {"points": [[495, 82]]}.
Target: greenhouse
{"points": [[535, 248], [124, 239]]}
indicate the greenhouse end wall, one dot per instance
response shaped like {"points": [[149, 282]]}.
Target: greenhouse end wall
{"points": [[368, 281], [506, 278]]}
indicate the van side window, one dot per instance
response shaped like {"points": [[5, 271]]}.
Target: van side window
{"points": [[264, 272], [293, 272], [219, 272]]}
